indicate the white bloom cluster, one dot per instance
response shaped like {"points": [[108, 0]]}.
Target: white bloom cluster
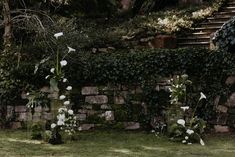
{"points": [[200, 14], [66, 121], [174, 23]]}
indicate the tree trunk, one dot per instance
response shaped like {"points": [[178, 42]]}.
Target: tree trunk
{"points": [[7, 24]]}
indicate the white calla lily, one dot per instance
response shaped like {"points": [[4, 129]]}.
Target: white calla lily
{"points": [[57, 35]]}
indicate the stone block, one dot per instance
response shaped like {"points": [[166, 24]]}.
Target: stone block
{"points": [[16, 125], [81, 117], [20, 108], [10, 111], [164, 41], [22, 116], [231, 100], [86, 107], [126, 4], [82, 111], [47, 116], [132, 125], [38, 109], [119, 100], [138, 90], [222, 119], [222, 109], [108, 115], [221, 129], [105, 107], [230, 80], [99, 99], [86, 127], [90, 91], [216, 101]]}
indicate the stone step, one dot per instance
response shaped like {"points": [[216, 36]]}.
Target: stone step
{"points": [[200, 34], [229, 7], [231, 3], [220, 17], [194, 44], [189, 38], [207, 29], [212, 24], [231, 13]]}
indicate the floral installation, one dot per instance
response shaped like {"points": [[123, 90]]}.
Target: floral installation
{"points": [[183, 123], [59, 95]]}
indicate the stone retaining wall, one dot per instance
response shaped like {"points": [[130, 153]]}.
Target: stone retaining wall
{"points": [[107, 107]]}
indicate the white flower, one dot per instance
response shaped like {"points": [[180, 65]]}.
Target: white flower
{"points": [[202, 142], [189, 143], [27, 94], [62, 97], [47, 77], [61, 117], [63, 63], [70, 112], [184, 108], [189, 131], [66, 102], [186, 138], [71, 49], [202, 96], [53, 125], [57, 35], [62, 109], [69, 88], [79, 128], [52, 70], [65, 80], [181, 122], [184, 141], [60, 122]]}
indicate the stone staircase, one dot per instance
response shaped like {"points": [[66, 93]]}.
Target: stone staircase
{"points": [[200, 36]]}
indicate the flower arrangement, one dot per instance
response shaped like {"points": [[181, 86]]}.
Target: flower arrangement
{"points": [[183, 123], [59, 95]]}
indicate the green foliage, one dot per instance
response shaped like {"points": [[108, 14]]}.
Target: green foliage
{"points": [[37, 131]]}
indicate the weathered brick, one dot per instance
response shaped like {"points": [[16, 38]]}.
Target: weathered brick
{"points": [[22, 116], [99, 99], [108, 115], [86, 127], [231, 100], [119, 100], [81, 117], [90, 91], [16, 125], [105, 107], [47, 116], [20, 108], [131, 125], [222, 109], [230, 80], [222, 119], [221, 129]]}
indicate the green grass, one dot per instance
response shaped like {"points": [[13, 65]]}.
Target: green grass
{"points": [[114, 144]]}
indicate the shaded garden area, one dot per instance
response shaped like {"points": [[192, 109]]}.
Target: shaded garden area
{"points": [[116, 78]]}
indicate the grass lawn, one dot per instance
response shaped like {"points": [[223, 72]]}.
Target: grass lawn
{"points": [[114, 144]]}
